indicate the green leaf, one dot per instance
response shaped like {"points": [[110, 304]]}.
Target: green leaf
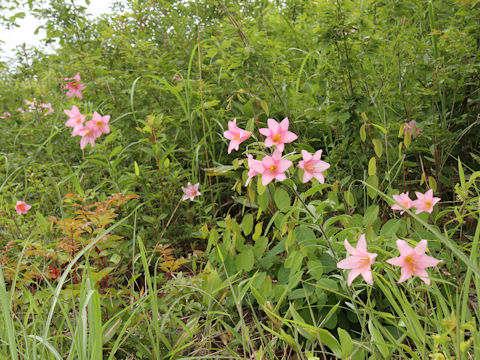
{"points": [[371, 215], [281, 198], [373, 182], [247, 224], [349, 198], [294, 261], [137, 170], [315, 268], [260, 247], [245, 260], [372, 166], [330, 341], [258, 231], [363, 135], [115, 151], [346, 343], [377, 145]]}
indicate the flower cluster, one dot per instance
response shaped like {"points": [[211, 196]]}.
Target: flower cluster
{"points": [[412, 261], [424, 202], [274, 166], [33, 106], [411, 127], [92, 129], [74, 86], [5, 115]]}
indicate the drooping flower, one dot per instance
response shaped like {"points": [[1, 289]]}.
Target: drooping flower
{"points": [[413, 261], [404, 200], [359, 262], [278, 134], [272, 167], [22, 207], [412, 128], [75, 120], [88, 134], [235, 135], [252, 165], [100, 124], [312, 166], [74, 86], [425, 202], [190, 191]]}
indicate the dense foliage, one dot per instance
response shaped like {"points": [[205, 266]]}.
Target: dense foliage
{"points": [[112, 262]]}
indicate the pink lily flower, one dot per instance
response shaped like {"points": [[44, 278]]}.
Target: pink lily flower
{"points": [[252, 164], [75, 120], [235, 135], [100, 123], [22, 207], [277, 134], [48, 107], [312, 166], [272, 167], [359, 262], [190, 191], [403, 200], [412, 128], [413, 261], [76, 77], [425, 202], [88, 134], [75, 87]]}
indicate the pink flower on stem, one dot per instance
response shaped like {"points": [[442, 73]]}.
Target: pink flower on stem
{"points": [[278, 134], [235, 135], [413, 261], [425, 202], [359, 262], [5, 115], [272, 167], [22, 207], [21, 110], [88, 134], [403, 200], [312, 166], [252, 164], [100, 124], [190, 191], [74, 87], [412, 128], [48, 107], [75, 120]]}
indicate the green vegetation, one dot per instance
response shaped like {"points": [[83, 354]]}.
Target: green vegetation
{"points": [[113, 262]]}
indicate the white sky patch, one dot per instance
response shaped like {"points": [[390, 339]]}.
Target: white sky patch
{"points": [[25, 33]]}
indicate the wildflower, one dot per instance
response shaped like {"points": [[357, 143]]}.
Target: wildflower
{"points": [[425, 202], [88, 134], [312, 166], [48, 107], [273, 167], [20, 110], [403, 200], [190, 191], [360, 262], [411, 127], [75, 120], [74, 86], [413, 261], [100, 124], [252, 164], [22, 208], [31, 105], [54, 272], [277, 134], [235, 135], [5, 115]]}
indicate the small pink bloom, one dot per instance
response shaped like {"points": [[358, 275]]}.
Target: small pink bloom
{"points": [[312, 166], [88, 134], [48, 107], [412, 128], [252, 165], [277, 134], [403, 200], [273, 167], [20, 110], [360, 262], [76, 77], [190, 191], [413, 261], [100, 124], [22, 207], [235, 135], [425, 202], [74, 86], [75, 120], [31, 105]]}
